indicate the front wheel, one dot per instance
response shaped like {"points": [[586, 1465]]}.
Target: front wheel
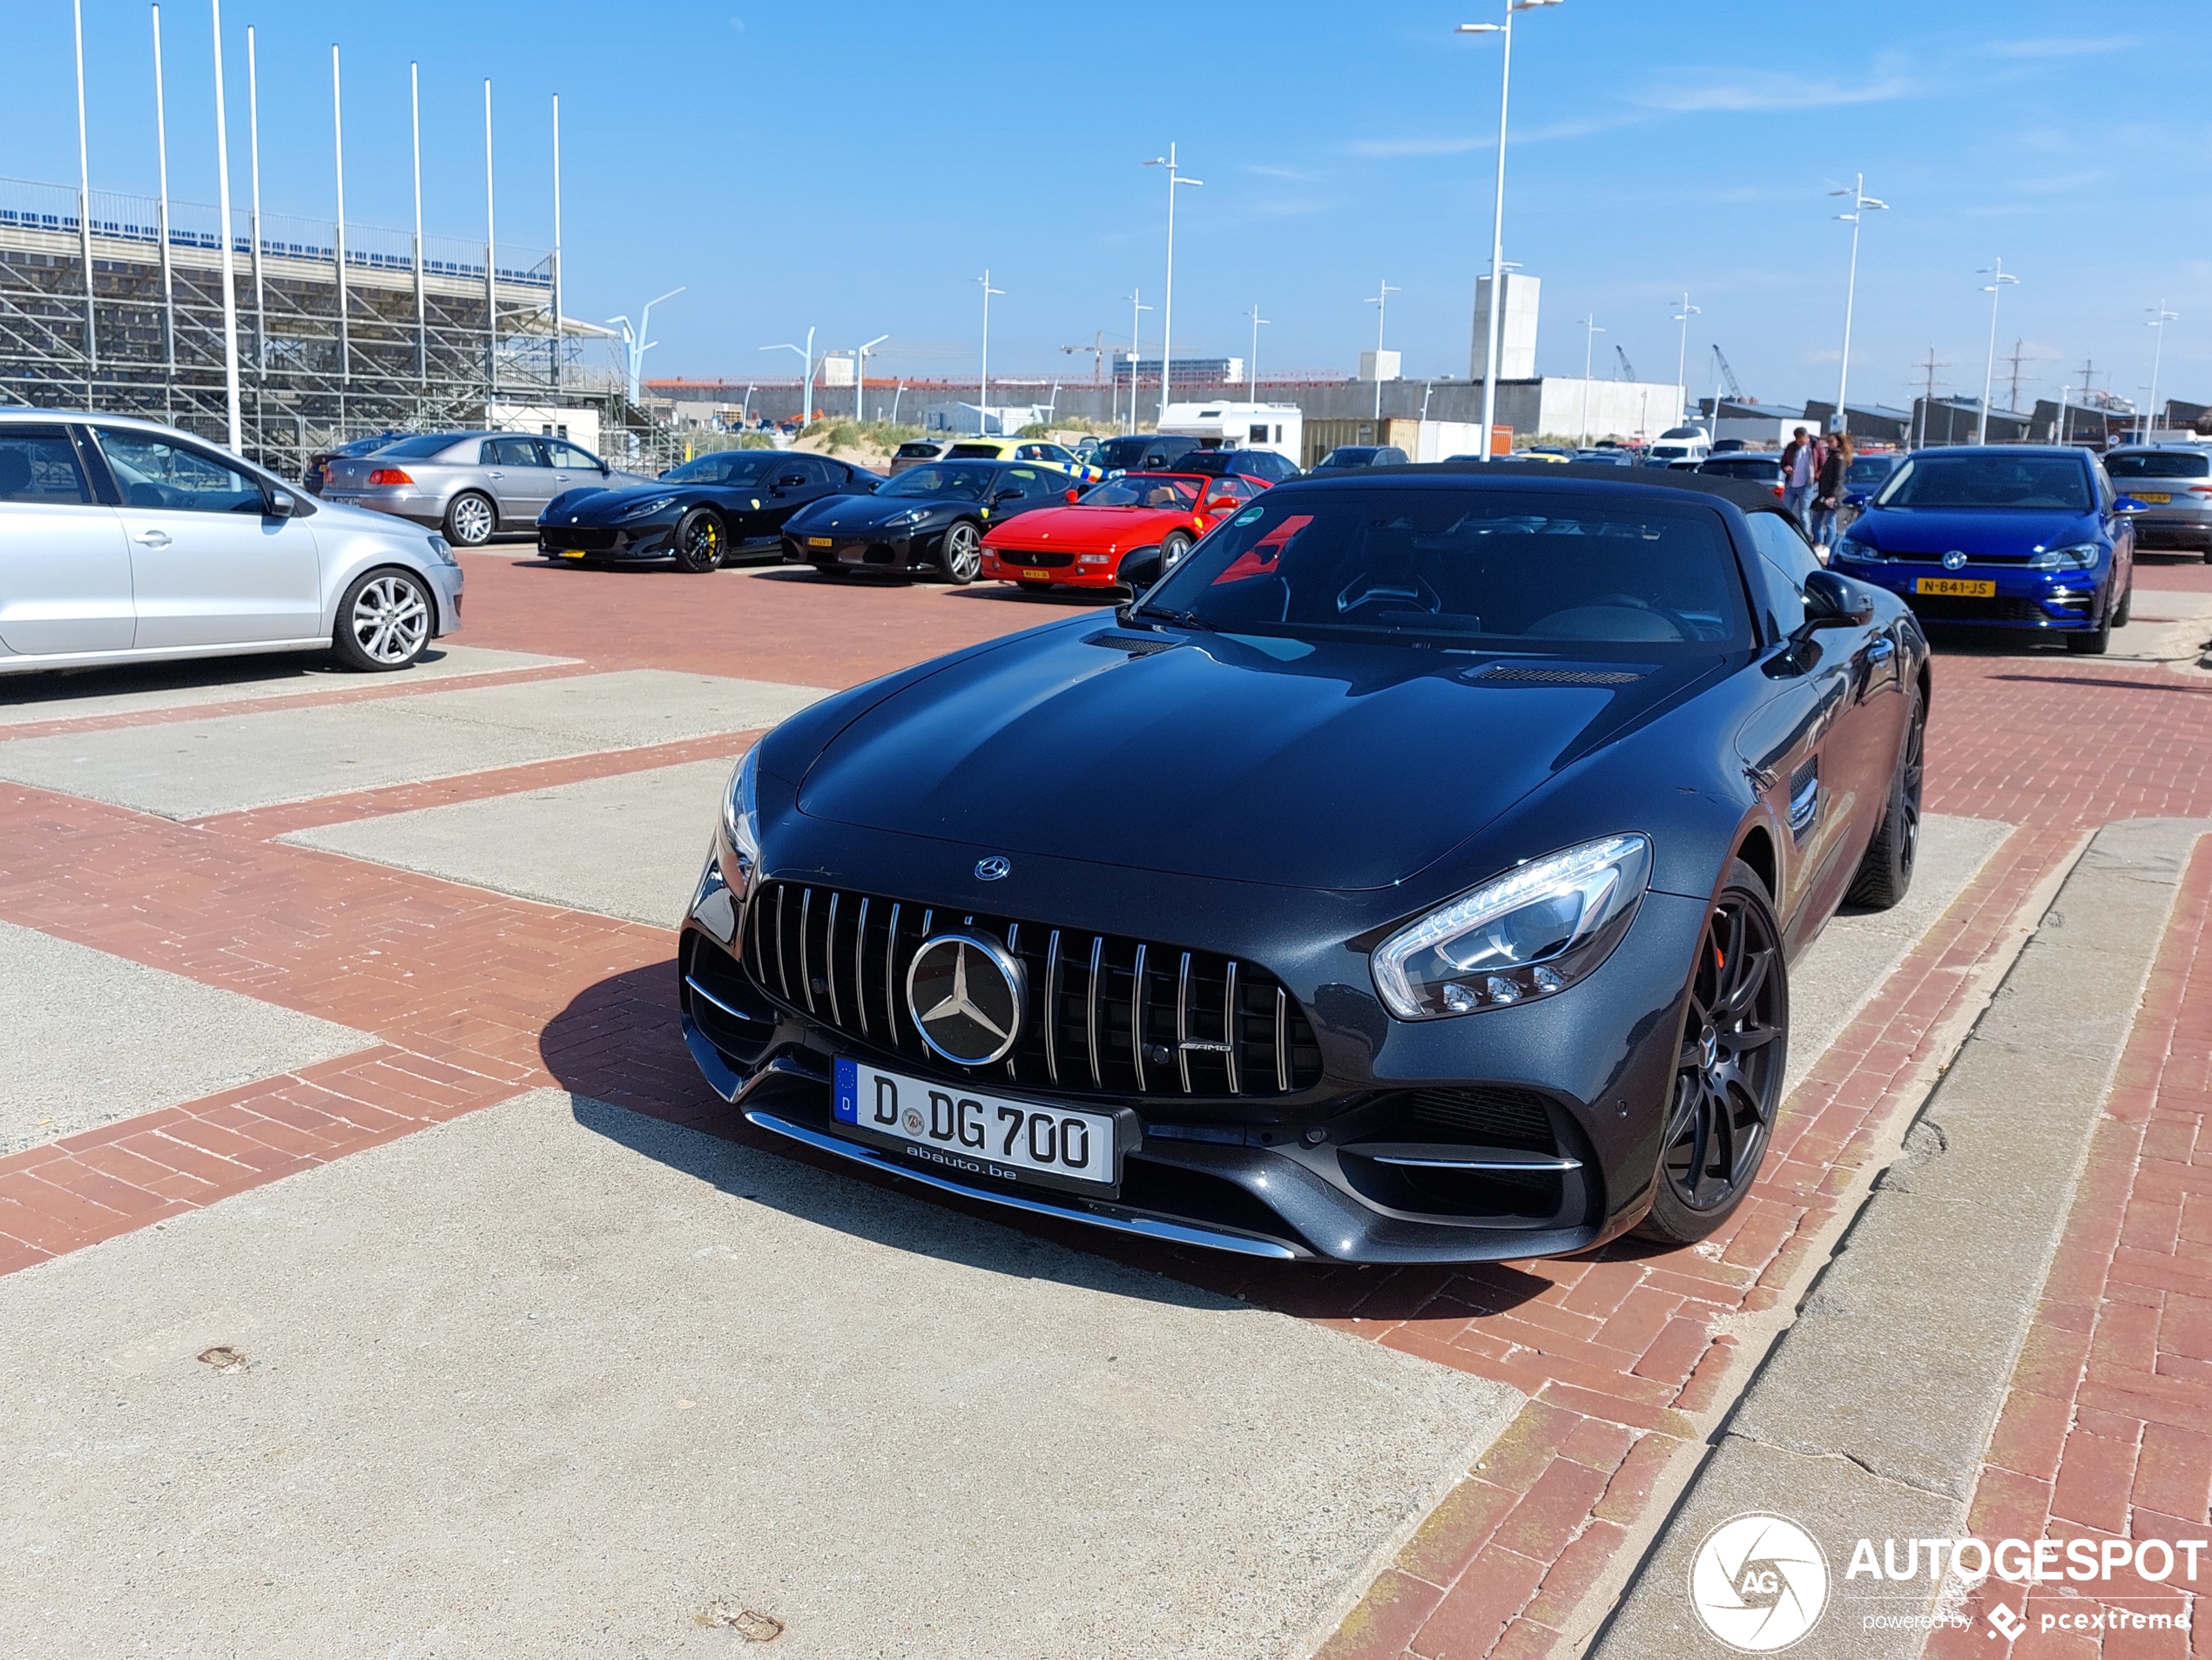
{"points": [[1173, 546], [698, 542], [1887, 871], [1727, 1074], [470, 519], [962, 557], [2095, 642], [384, 622], [2127, 606]]}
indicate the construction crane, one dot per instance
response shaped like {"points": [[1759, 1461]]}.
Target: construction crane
{"points": [[1097, 350], [1628, 369], [1734, 386]]}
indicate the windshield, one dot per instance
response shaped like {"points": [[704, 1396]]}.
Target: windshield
{"points": [[429, 444], [723, 467], [1147, 489], [1351, 455], [1981, 479], [973, 451], [1869, 469], [921, 449], [1764, 467], [1512, 570], [1123, 453], [2159, 463], [956, 483]]}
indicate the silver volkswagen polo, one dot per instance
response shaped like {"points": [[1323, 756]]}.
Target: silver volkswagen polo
{"points": [[124, 540], [470, 485]]}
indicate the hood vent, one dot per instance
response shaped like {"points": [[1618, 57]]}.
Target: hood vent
{"points": [[1563, 675], [1134, 645]]}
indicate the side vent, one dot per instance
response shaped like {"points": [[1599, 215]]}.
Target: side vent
{"points": [[1134, 645], [1519, 674]]}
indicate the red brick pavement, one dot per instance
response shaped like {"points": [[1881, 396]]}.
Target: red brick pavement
{"points": [[1627, 1354], [2107, 1432]]}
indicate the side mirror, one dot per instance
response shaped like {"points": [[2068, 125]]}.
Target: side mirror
{"points": [[1223, 504], [1836, 602], [2127, 504], [1858, 498], [1005, 495], [606, 469], [282, 505]]}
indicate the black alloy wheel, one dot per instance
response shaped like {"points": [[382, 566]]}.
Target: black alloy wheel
{"points": [[1728, 1076], [962, 557], [699, 543], [1887, 871], [2094, 642], [2127, 606]]}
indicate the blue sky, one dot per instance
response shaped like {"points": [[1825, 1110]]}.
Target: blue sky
{"points": [[855, 166]]}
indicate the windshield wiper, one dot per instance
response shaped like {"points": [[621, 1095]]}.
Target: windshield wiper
{"points": [[1187, 619]]}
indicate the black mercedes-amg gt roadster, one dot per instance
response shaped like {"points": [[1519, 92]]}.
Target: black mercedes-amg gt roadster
{"points": [[1412, 875]]}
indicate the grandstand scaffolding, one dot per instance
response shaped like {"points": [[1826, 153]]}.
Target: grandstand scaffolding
{"points": [[339, 334]]}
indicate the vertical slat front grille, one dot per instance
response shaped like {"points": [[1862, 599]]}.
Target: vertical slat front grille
{"points": [[1117, 1015]]}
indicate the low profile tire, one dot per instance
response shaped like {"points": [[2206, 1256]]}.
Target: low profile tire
{"points": [[2095, 642], [1887, 871], [385, 622], [2127, 606], [470, 520], [700, 542], [1727, 1074], [1173, 546], [961, 558]]}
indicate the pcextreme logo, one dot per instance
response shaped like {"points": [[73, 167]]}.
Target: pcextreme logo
{"points": [[1758, 1583]]}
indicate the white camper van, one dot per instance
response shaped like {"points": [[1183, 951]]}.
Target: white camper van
{"points": [[1278, 427]]}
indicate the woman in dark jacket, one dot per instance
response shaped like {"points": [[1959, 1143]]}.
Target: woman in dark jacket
{"points": [[1828, 489]]}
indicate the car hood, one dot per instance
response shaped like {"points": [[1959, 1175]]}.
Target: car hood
{"points": [[1936, 531], [1340, 766], [595, 503], [1114, 527], [862, 513]]}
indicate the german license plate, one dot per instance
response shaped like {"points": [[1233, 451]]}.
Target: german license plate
{"points": [[964, 1132], [1036, 576], [820, 542], [2152, 495], [1962, 587]]}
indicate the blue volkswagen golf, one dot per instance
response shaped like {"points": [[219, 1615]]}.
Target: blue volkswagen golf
{"points": [[2003, 538]]}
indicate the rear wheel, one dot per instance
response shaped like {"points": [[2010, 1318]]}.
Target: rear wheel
{"points": [[384, 621], [1887, 871], [1728, 1075], [470, 519], [699, 543], [962, 557], [1173, 546]]}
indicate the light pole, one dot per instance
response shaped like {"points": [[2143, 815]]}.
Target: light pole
{"points": [[806, 385], [1862, 205], [1994, 288], [1381, 303], [2159, 318], [1590, 331], [983, 379], [634, 346], [1251, 363], [1167, 306], [1682, 352], [1498, 213], [1134, 308], [861, 378]]}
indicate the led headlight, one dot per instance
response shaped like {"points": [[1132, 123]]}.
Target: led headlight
{"points": [[741, 822], [2082, 556], [1852, 551], [913, 515], [1533, 931], [441, 550], [644, 509]]}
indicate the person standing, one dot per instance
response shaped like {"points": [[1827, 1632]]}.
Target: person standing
{"points": [[1800, 472], [1828, 490]]}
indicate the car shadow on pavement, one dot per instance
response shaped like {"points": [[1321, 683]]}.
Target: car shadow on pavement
{"points": [[617, 1047]]}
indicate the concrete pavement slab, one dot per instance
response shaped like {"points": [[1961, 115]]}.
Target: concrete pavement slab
{"points": [[1852, 960], [72, 693], [629, 846], [189, 769], [91, 1038], [555, 1379]]}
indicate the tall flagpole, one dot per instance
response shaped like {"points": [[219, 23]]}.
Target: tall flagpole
{"points": [[491, 274], [84, 212], [161, 221], [223, 209], [558, 337], [253, 137], [421, 300]]}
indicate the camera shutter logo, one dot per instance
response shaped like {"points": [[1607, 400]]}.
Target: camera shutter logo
{"points": [[965, 995], [1759, 1583]]}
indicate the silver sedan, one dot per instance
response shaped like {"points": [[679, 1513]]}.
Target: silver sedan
{"points": [[122, 540], [470, 485]]}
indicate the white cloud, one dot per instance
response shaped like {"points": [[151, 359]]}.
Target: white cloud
{"points": [[1391, 149], [2064, 46], [1747, 91]]}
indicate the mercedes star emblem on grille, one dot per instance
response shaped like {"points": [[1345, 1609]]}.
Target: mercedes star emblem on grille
{"points": [[965, 995], [997, 867], [1952, 560]]}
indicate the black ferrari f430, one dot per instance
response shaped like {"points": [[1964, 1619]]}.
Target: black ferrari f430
{"points": [[730, 505], [1412, 874]]}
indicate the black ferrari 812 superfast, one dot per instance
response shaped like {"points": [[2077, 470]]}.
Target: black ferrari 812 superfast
{"points": [[1412, 874]]}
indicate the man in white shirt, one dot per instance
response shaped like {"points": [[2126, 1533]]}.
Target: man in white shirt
{"points": [[1800, 473]]}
